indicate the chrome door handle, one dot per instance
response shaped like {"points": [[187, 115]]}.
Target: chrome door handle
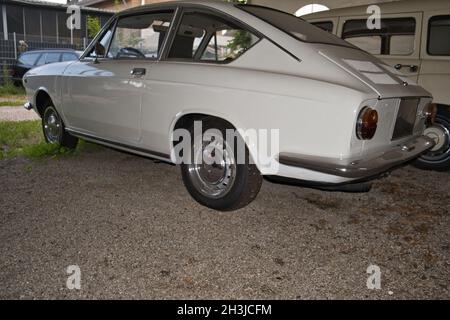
{"points": [[138, 72], [412, 67]]}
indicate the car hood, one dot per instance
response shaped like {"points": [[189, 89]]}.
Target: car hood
{"points": [[384, 80], [56, 68]]}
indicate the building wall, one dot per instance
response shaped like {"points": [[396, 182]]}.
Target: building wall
{"points": [[119, 5], [285, 5], [29, 22], [293, 5]]}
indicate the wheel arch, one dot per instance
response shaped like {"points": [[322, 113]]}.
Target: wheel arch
{"points": [[186, 118], [40, 98]]}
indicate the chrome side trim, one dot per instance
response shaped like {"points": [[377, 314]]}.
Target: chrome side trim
{"points": [[361, 168], [121, 146]]}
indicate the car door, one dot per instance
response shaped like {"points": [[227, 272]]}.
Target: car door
{"points": [[203, 42], [397, 42], [435, 72], [103, 90]]}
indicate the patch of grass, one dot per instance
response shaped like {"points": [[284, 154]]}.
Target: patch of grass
{"points": [[25, 138], [11, 103], [9, 89]]}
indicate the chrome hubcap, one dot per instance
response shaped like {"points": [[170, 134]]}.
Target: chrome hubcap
{"points": [[439, 132], [52, 125], [213, 170]]}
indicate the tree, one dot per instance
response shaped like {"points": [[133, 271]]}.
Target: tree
{"points": [[93, 26], [242, 39]]}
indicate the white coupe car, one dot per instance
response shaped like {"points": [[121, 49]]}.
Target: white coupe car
{"points": [[340, 115]]}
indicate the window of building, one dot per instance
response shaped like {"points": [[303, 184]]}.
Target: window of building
{"points": [[49, 25], [310, 8], [207, 37], [1, 22], [63, 31], [15, 19], [395, 37], [439, 36], [32, 24], [140, 36]]}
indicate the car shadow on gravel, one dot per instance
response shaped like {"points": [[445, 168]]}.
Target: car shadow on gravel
{"points": [[134, 231]]}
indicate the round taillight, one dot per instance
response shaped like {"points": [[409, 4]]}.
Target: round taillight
{"points": [[429, 113], [367, 123]]}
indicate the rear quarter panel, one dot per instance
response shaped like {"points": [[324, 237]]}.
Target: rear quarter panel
{"points": [[315, 117]]}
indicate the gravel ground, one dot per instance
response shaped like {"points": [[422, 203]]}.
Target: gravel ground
{"points": [[17, 114], [133, 230]]}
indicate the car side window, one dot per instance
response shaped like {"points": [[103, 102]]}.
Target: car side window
{"points": [[395, 37], [140, 36], [41, 60], [438, 36], [68, 57], [210, 38], [52, 57], [29, 58], [102, 43], [324, 25]]}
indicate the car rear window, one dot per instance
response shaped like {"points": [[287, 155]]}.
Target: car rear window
{"points": [[294, 26], [29, 58]]}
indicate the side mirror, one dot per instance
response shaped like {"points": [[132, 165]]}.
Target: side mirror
{"points": [[99, 50]]}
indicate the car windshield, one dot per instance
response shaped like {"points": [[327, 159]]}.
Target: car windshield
{"points": [[296, 27]]}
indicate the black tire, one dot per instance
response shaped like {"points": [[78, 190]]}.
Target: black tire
{"points": [[61, 136], [247, 179], [438, 160]]}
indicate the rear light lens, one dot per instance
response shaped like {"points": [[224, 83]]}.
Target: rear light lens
{"points": [[367, 123], [429, 113]]}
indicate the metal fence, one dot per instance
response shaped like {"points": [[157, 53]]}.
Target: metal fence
{"points": [[11, 49]]}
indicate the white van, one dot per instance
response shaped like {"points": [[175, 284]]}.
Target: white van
{"points": [[415, 39]]}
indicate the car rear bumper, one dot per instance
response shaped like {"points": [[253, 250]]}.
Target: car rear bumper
{"points": [[361, 168]]}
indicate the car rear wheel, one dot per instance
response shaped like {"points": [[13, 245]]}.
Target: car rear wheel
{"points": [[225, 184], [437, 158], [54, 129]]}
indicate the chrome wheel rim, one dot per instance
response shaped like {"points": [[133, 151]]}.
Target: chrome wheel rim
{"points": [[213, 170], [52, 125], [439, 132]]}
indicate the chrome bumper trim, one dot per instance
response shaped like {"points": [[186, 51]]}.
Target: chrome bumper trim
{"points": [[28, 105], [361, 168]]}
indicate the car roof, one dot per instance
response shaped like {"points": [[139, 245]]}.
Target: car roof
{"points": [[402, 6], [217, 4], [49, 50]]}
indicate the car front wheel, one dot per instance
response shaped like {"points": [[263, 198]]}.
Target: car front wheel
{"points": [[54, 129], [225, 184]]}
